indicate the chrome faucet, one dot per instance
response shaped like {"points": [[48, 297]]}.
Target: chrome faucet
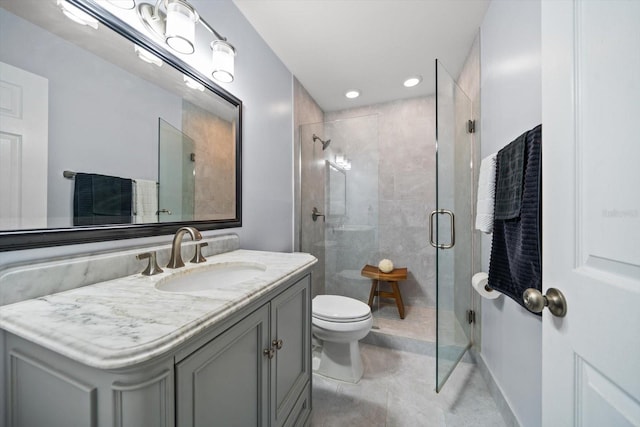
{"points": [[176, 250]]}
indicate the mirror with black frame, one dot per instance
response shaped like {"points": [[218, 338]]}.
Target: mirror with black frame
{"points": [[97, 144]]}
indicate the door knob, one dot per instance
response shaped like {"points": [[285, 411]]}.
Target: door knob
{"points": [[277, 344], [554, 299]]}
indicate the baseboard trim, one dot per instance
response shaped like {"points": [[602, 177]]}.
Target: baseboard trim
{"points": [[503, 406]]}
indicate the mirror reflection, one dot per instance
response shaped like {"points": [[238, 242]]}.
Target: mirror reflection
{"points": [[336, 189], [95, 130]]}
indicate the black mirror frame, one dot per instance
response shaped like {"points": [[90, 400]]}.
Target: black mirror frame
{"points": [[39, 238]]}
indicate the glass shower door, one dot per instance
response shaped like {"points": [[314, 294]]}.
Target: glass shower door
{"points": [[451, 223], [176, 174]]}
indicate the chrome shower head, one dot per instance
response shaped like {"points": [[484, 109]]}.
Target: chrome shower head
{"points": [[325, 144]]}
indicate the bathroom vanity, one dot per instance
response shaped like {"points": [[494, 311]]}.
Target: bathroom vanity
{"points": [[129, 352]]}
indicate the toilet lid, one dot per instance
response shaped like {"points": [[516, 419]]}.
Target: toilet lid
{"points": [[336, 308]]}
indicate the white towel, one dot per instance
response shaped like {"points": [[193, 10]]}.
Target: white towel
{"points": [[145, 201], [486, 194]]}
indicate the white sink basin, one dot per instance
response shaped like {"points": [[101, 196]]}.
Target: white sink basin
{"points": [[210, 277]]}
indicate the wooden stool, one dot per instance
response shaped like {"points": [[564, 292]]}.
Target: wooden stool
{"points": [[392, 278]]}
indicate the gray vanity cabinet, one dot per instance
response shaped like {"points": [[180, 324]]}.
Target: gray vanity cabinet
{"points": [[250, 369], [256, 373]]}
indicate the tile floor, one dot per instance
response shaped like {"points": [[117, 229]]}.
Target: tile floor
{"points": [[418, 323], [398, 389]]}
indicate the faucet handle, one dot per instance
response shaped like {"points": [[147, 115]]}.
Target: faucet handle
{"points": [[198, 257], [152, 267]]}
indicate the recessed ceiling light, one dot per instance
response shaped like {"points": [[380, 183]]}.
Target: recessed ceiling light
{"points": [[352, 94], [412, 81]]}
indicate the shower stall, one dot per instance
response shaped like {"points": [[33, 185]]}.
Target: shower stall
{"points": [[396, 181]]}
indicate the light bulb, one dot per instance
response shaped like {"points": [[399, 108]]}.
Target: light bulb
{"points": [[180, 31], [223, 58]]}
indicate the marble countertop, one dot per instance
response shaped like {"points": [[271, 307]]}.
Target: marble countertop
{"points": [[123, 322]]}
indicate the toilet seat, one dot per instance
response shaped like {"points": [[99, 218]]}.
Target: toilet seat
{"points": [[339, 309], [350, 329]]}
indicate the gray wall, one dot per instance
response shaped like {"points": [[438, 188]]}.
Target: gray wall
{"points": [[265, 86], [511, 104]]}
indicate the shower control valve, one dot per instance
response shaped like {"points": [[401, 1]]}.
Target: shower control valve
{"points": [[315, 213]]}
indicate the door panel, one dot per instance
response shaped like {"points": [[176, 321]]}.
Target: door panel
{"points": [[591, 212], [225, 382], [24, 145], [453, 223], [290, 327]]}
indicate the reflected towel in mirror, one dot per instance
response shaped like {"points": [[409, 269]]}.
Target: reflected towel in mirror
{"points": [[101, 199], [145, 201]]}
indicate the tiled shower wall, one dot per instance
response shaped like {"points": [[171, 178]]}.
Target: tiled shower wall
{"points": [[406, 191], [307, 111], [215, 161]]}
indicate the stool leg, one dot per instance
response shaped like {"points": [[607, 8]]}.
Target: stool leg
{"points": [[398, 297], [372, 293]]}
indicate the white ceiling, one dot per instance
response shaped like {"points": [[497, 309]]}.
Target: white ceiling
{"points": [[332, 46]]}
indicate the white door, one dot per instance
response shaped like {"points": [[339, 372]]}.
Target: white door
{"points": [[24, 131], [591, 211]]}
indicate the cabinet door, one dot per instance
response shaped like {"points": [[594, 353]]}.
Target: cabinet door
{"points": [[225, 383], [291, 323]]}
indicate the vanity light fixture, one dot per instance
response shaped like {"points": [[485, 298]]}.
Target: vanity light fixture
{"points": [[76, 15], [412, 81], [123, 4], [180, 26], [352, 94], [147, 56], [223, 58], [176, 26], [193, 84]]}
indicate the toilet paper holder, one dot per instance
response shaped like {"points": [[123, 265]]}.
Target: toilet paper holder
{"points": [[479, 283]]}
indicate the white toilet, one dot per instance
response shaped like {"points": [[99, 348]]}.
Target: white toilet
{"points": [[340, 322]]}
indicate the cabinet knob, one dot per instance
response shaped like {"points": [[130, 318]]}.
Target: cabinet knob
{"points": [[269, 352], [277, 344]]}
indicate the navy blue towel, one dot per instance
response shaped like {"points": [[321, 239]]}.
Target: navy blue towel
{"points": [[508, 199], [101, 199], [516, 248]]}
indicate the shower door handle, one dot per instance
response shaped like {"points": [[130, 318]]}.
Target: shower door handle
{"points": [[453, 229]]}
